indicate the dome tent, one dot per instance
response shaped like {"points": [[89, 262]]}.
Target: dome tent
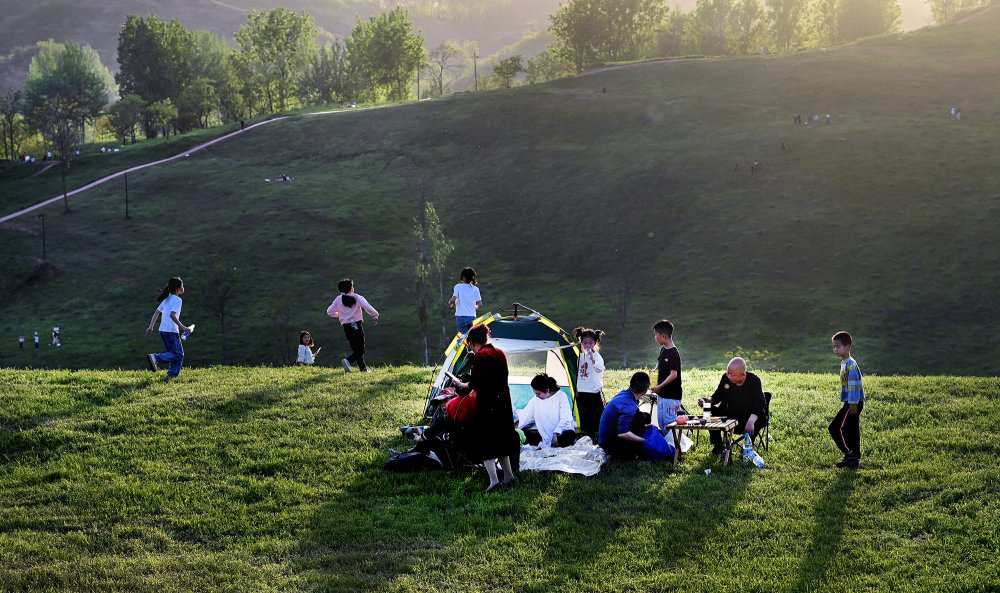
{"points": [[532, 343]]}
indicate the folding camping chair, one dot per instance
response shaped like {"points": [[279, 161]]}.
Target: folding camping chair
{"points": [[762, 439]]}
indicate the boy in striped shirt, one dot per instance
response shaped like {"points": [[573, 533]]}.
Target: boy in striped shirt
{"points": [[845, 428]]}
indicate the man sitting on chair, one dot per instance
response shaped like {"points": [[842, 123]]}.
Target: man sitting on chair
{"points": [[738, 397]]}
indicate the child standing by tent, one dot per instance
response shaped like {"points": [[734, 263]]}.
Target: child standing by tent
{"points": [[170, 328], [347, 307], [590, 381], [466, 300]]}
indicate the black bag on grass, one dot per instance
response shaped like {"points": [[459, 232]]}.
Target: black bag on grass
{"points": [[412, 461]]}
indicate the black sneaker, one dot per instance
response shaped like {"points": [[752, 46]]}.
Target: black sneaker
{"points": [[849, 461], [151, 361]]}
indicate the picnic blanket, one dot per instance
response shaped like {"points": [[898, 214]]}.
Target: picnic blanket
{"points": [[583, 457]]}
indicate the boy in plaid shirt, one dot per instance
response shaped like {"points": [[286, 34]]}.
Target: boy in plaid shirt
{"points": [[845, 428]]}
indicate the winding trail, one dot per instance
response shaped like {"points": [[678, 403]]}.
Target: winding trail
{"points": [[184, 154]]}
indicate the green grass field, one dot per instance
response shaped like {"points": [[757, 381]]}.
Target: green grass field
{"points": [[254, 479], [881, 223]]}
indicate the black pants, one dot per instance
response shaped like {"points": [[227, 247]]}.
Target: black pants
{"points": [[355, 333], [534, 438], [591, 407], [846, 430]]}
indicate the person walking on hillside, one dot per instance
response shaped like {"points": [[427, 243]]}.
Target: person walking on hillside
{"points": [[347, 308], [466, 300], [171, 328]]}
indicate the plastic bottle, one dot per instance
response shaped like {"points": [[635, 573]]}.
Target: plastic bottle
{"points": [[749, 454], [185, 335]]}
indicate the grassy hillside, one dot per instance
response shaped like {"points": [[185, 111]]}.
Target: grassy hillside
{"points": [[250, 479], [560, 195]]}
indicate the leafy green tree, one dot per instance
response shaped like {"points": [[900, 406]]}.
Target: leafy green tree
{"points": [[825, 19], [125, 116], [326, 79], [506, 70], [195, 104], [384, 54], [163, 115], [63, 91], [10, 109], [586, 31], [748, 26], [944, 10], [548, 65], [865, 18], [276, 46], [155, 60], [709, 28], [785, 22], [670, 36]]}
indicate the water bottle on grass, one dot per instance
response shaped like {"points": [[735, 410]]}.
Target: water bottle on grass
{"points": [[749, 454]]}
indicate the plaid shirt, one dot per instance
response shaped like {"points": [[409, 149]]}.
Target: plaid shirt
{"points": [[851, 390]]}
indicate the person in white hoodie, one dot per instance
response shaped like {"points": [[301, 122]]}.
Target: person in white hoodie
{"points": [[551, 414]]}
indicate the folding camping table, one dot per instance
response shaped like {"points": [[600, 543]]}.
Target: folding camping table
{"points": [[725, 427]]}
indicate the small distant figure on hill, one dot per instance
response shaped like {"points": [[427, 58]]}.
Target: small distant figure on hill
{"points": [[797, 119], [783, 146], [466, 299], [827, 119], [958, 116], [36, 340], [347, 308], [845, 427], [55, 336], [762, 50], [604, 90], [590, 380], [668, 375], [737, 167], [20, 343], [953, 110], [284, 177], [306, 354], [754, 167], [816, 118], [171, 328]]}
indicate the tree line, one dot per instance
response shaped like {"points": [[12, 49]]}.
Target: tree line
{"points": [[173, 80], [594, 31]]}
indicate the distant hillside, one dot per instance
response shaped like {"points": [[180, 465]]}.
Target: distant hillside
{"points": [[563, 195], [491, 23]]}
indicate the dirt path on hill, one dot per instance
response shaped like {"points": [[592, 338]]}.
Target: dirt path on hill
{"points": [[635, 65], [965, 19], [184, 154]]}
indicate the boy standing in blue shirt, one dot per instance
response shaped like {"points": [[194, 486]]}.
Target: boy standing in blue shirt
{"points": [[845, 428]]}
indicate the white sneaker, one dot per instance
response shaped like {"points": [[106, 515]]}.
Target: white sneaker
{"points": [[346, 363]]}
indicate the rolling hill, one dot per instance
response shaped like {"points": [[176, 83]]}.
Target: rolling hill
{"points": [[561, 195]]}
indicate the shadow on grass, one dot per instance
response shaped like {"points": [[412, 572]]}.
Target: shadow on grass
{"points": [[27, 436], [245, 403], [383, 531], [828, 530]]}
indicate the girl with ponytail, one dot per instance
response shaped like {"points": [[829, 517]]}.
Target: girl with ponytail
{"points": [[171, 328]]}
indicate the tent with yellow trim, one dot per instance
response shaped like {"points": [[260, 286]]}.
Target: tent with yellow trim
{"points": [[532, 343]]}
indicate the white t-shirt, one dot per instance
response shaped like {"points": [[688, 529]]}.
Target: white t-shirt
{"points": [[305, 354], [467, 295], [551, 415], [171, 303], [590, 375]]}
